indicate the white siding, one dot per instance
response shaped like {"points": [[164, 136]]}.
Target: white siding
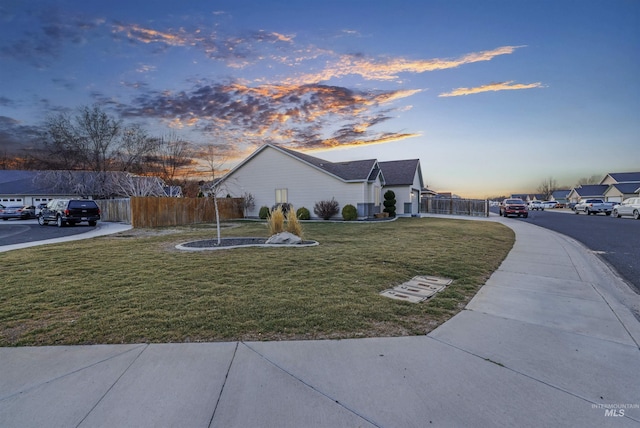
{"points": [[271, 169], [407, 194]]}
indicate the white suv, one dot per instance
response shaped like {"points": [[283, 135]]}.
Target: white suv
{"points": [[630, 207]]}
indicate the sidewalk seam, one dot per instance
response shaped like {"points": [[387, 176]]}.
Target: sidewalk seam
{"points": [[31, 388], [226, 376], [146, 346], [313, 388]]}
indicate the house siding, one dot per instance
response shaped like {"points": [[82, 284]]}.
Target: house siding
{"points": [[271, 169]]}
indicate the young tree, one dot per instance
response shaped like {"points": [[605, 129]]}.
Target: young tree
{"points": [[214, 159]]}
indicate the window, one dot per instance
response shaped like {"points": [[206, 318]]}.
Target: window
{"points": [[376, 191], [282, 196]]}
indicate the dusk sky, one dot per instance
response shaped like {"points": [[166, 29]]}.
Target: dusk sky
{"points": [[492, 96]]}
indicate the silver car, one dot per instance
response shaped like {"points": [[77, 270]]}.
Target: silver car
{"points": [[630, 207], [22, 212]]}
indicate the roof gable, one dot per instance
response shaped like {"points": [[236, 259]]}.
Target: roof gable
{"points": [[625, 177], [401, 172], [626, 187], [591, 190], [352, 171]]}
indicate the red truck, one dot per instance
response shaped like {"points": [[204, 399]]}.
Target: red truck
{"points": [[513, 207]]}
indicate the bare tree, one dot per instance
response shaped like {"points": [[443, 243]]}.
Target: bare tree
{"points": [[80, 183], [214, 159], [86, 141], [547, 187], [133, 150], [594, 179], [171, 157], [127, 185]]}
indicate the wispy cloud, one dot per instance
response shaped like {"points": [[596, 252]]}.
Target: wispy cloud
{"points": [[390, 68], [492, 87]]}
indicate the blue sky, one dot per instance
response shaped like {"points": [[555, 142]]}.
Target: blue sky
{"points": [[492, 96]]}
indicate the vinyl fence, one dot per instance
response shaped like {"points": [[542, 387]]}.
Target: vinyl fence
{"points": [[146, 212], [455, 206]]}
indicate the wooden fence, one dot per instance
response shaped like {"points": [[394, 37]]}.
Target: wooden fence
{"points": [[145, 212], [455, 206]]}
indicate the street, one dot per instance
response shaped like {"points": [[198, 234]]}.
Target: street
{"points": [[20, 231]]}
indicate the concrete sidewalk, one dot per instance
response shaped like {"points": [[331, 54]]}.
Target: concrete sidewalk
{"points": [[549, 341]]}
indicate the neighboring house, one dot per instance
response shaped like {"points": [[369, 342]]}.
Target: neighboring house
{"points": [[37, 187], [561, 196], [621, 177], [622, 185], [587, 191], [620, 192], [404, 178], [19, 187], [614, 187], [273, 174]]}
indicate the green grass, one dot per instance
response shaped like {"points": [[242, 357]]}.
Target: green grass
{"points": [[136, 287]]}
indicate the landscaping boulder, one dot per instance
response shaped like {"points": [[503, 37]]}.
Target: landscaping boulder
{"points": [[284, 238]]}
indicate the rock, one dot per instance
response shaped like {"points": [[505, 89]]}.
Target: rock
{"points": [[284, 238]]}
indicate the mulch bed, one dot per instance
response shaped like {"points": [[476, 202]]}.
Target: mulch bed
{"points": [[231, 242]]}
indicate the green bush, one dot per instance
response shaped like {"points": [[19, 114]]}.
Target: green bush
{"points": [[264, 212], [390, 203], [326, 209], [349, 212], [303, 214]]}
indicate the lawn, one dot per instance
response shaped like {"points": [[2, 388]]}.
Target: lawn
{"points": [[136, 287]]}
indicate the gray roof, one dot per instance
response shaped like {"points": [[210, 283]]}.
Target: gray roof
{"points": [[560, 194], [625, 177], [627, 188], [361, 170], [400, 172], [19, 182], [591, 190]]}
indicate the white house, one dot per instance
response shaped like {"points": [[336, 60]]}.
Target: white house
{"points": [[404, 177], [274, 174]]}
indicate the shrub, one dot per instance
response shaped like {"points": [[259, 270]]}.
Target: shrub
{"points": [[390, 203], [275, 222], [285, 207], [326, 209], [264, 213], [349, 212], [303, 214], [293, 224]]}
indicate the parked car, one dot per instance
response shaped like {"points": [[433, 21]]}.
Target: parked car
{"points": [[630, 207], [593, 206], [513, 207], [22, 212], [70, 211], [550, 204], [536, 205]]}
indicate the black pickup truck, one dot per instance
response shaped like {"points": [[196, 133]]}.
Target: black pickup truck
{"points": [[69, 211]]}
